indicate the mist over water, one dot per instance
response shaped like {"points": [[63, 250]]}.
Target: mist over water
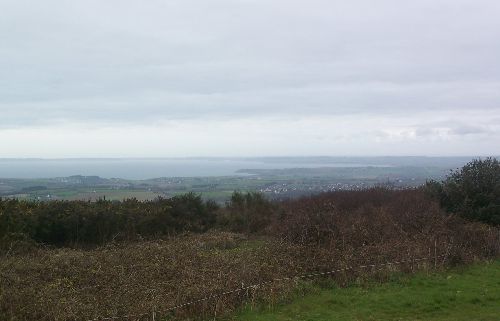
{"points": [[143, 168], [192, 167]]}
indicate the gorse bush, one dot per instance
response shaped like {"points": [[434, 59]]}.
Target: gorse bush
{"points": [[88, 223], [472, 192], [83, 223], [247, 213]]}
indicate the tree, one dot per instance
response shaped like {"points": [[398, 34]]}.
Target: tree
{"points": [[472, 192]]}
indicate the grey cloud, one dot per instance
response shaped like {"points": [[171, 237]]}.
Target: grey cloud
{"points": [[425, 131], [469, 130], [456, 128], [131, 61]]}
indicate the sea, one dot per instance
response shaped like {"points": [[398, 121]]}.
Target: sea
{"points": [[147, 168]]}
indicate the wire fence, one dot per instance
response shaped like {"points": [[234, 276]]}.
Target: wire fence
{"points": [[153, 315]]}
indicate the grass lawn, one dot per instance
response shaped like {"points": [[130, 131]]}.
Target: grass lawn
{"points": [[469, 293]]}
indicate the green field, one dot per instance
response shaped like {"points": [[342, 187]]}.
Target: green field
{"points": [[471, 293], [111, 194]]}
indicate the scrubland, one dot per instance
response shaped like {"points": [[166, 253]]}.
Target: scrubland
{"points": [[243, 249]]}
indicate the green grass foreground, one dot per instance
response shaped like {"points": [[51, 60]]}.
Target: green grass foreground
{"points": [[469, 293]]}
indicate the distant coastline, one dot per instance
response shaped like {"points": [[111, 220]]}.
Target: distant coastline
{"points": [[148, 168]]}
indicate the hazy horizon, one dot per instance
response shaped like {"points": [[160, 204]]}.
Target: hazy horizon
{"points": [[263, 157], [148, 168]]}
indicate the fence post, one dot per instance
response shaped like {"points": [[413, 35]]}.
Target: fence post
{"points": [[435, 254], [215, 310], [498, 241]]}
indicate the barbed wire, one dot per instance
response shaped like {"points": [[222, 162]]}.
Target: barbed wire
{"points": [[257, 285]]}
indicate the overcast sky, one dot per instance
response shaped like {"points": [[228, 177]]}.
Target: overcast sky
{"points": [[115, 78]]}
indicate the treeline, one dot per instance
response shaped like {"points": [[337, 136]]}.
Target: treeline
{"points": [[74, 223]]}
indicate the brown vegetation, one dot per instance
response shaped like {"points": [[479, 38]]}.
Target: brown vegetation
{"points": [[320, 233], [382, 223], [66, 284]]}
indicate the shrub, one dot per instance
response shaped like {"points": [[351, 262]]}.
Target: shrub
{"points": [[63, 223], [247, 212], [472, 192]]}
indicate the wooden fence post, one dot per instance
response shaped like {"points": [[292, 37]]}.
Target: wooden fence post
{"points": [[435, 254]]}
